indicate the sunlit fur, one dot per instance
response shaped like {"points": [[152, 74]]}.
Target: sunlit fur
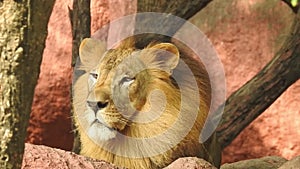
{"points": [[145, 82]]}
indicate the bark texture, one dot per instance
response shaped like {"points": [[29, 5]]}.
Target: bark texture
{"points": [[180, 8], [81, 25], [80, 18], [247, 103], [23, 30]]}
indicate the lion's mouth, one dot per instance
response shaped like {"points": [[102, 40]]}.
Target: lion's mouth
{"points": [[98, 122]]}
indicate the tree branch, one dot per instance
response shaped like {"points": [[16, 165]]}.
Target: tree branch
{"points": [[181, 8], [247, 103]]}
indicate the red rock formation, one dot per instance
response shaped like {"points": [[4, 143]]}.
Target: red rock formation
{"points": [[50, 120]]}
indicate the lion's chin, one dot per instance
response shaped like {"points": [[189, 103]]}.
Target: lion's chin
{"points": [[99, 132]]}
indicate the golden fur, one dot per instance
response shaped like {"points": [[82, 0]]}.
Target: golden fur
{"points": [[110, 66]]}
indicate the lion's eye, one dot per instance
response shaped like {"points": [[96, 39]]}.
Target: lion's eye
{"points": [[94, 75], [126, 80]]}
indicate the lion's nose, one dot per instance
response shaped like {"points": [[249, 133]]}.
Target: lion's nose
{"points": [[95, 106]]}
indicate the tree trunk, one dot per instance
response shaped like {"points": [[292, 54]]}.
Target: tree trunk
{"points": [[247, 103], [181, 8], [80, 18], [23, 30]]}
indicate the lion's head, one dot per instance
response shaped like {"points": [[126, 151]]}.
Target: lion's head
{"points": [[140, 94]]}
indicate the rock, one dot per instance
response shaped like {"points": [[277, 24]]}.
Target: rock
{"points": [[38, 156], [50, 116], [268, 162], [292, 164], [190, 163]]}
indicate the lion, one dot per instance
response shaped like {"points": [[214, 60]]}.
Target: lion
{"points": [[141, 108]]}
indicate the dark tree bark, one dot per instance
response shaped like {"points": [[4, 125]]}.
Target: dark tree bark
{"points": [[80, 18], [247, 103], [181, 8], [23, 30]]}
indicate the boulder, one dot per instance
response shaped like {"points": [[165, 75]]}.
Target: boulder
{"points": [[190, 163], [292, 164], [268, 162], [39, 156]]}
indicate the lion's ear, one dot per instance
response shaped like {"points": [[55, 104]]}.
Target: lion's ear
{"points": [[163, 56], [90, 52]]}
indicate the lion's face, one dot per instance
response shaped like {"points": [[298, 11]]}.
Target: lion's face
{"points": [[119, 83], [116, 92]]}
